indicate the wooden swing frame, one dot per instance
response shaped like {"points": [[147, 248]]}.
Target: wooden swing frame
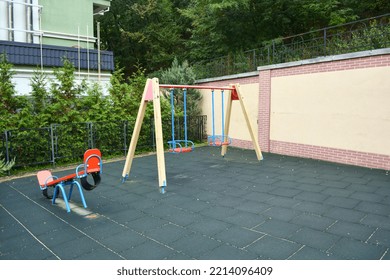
{"points": [[152, 94]]}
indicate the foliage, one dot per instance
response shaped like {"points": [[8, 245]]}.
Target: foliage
{"points": [[67, 117], [5, 166], [154, 32], [182, 74], [144, 32], [8, 99]]}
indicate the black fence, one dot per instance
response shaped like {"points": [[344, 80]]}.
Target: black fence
{"points": [[368, 34], [66, 143]]}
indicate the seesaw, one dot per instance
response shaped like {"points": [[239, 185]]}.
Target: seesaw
{"points": [[92, 165]]}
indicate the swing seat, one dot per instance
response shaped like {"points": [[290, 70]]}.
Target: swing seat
{"points": [[175, 147], [219, 140]]}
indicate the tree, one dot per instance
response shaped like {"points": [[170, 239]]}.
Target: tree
{"points": [[63, 107], [8, 101], [142, 32], [183, 74], [7, 88]]}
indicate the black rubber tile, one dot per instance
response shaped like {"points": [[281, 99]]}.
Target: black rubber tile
{"points": [[287, 192], [252, 206], [195, 245], [313, 221], [280, 213], [380, 237], [356, 250], [312, 207], [377, 221], [226, 252], [277, 228], [74, 248], [344, 214], [352, 230], [309, 253], [184, 218], [238, 236], [209, 227], [338, 183], [148, 251], [219, 212], [343, 202], [273, 248], [126, 215], [145, 223], [314, 238], [245, 219], [312, 196], [124, 240], [168, 233], [283, 201], [337, 192], [374, 208]]}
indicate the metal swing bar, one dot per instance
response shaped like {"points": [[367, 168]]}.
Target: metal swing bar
{"points": [[195, 87]]}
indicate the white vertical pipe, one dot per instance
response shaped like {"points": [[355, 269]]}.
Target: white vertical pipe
{"points": [[98, 45], [36, 22], [88, 51], [19, 20], [78, 51], [3, 21]]}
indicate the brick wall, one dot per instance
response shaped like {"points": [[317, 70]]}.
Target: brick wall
{"points": [[264, 78], [316, 152]]}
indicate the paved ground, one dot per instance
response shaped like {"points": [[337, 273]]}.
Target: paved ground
{"points": [[214, 208]]}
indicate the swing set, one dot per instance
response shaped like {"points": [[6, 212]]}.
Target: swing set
{"points": [[152, 94]]}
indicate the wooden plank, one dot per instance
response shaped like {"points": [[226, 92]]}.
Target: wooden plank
{"points": [[136, 132], [159, 135], [227, 122], [251, 131]]}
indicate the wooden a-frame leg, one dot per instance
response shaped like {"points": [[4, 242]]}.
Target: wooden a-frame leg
{"points": [[227, 123], [136, 132], [159, 136], [251, 132]]}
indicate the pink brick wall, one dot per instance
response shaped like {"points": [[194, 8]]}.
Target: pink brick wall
{"points": [[327, 153], [264, 110], [331, 154], [302, 150]]}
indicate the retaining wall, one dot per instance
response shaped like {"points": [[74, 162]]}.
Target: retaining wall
{"points": [[331, 108]]}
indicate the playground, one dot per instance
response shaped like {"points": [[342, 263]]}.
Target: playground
{"points": [[208, 202], [232, 207]]}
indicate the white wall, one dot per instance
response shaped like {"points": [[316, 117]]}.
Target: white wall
{"points": [[22, 80]]}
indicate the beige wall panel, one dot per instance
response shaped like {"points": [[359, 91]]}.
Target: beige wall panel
{"points": [[343, 109], [238, 128]]}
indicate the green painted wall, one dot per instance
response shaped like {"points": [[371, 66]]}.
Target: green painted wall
{"points": [[71, 17]]}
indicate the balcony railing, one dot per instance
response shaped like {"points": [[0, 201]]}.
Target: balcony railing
{"points": [[26, 54]]}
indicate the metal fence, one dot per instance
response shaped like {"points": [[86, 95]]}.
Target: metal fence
{"points": [[62, 143], [368, 34]]}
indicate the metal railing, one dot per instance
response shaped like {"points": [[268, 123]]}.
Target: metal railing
{"points": [[367, 34], [66, 143]]}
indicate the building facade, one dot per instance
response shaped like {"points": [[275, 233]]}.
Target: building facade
{"points": [[36, 35]]}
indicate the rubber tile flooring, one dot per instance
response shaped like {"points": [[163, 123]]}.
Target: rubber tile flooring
{"points": [[281, 208]]}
